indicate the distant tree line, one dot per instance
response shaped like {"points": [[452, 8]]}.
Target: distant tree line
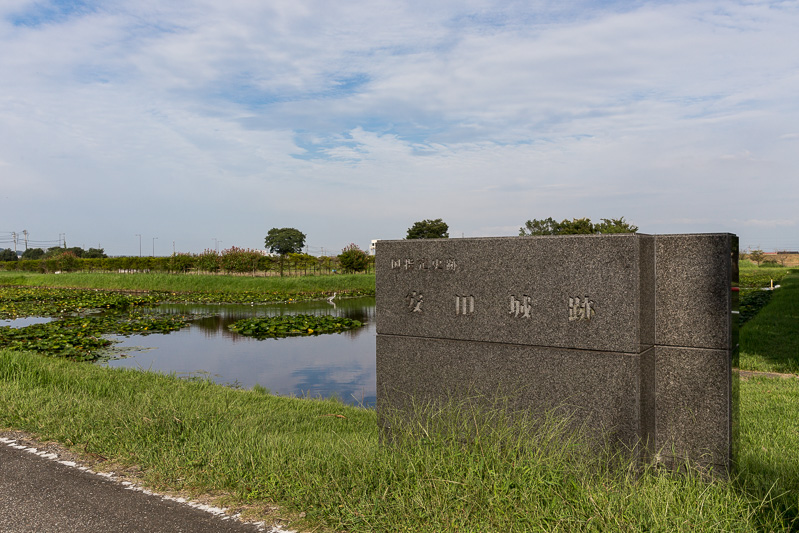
{"points": [[576, 226], [283, 244], [231, 261], [38, 253], [438, 229]]}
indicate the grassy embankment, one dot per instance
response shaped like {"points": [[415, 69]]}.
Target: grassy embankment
{"points": [[323, 459], [770, 340]]}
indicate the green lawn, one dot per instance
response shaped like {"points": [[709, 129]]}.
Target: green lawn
{"points": [[770, 340], [192, 282]]}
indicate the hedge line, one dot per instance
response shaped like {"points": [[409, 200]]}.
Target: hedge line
{"points": [[243, 263]]}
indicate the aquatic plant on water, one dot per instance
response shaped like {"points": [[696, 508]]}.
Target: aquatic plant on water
{"points": [[292, 325]]}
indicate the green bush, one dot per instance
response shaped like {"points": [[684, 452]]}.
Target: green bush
{"points": [[239, 260], [353, 259]]}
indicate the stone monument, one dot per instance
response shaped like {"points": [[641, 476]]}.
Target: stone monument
{"points": [[631, 335]]}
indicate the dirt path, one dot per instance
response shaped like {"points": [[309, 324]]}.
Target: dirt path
{"points": [[746, 374]]}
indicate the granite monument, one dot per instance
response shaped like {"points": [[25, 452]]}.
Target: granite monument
{"points": [[630, 335]]}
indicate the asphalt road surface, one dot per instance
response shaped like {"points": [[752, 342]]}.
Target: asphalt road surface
{"points": [[41, 494]]}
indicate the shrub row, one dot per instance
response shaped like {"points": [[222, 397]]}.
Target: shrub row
{"points": [[231, 261]]}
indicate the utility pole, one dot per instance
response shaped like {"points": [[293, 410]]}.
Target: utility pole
{"points": [[25, 234], [14, 236], [139, 236]]}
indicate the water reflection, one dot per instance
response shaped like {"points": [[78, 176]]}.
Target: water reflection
{"points": [[340, 365], [24, 322]]}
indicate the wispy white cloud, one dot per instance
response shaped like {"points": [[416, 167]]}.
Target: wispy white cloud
{"points": [[773, 223], [352, 120]]}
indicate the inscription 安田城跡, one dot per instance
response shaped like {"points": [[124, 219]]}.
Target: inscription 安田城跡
{"points": [[464, 305], [443, 265], [520, 308], [581, 309], [414, 300]]}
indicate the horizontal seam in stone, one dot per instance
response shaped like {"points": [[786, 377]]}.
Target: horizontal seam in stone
{"points": [[513, 344]]}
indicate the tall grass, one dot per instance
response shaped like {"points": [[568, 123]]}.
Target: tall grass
{"points": [[323, 458], [192, 282], [769, 463]]}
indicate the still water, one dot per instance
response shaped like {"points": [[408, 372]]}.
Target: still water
{"points": [[341, 365], [24, 322]]}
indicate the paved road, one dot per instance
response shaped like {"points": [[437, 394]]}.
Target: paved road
{"points": [[42, 495]]}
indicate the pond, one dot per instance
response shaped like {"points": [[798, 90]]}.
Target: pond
{"points": [[341, 365]]}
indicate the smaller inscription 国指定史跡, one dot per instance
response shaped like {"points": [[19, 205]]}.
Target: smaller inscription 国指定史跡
{"points": [[425, 264]]}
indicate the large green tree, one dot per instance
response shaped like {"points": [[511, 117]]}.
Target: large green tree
{"points": [[33, 253], [428, 229], [8, 255], [576, 226], [284, 241]]}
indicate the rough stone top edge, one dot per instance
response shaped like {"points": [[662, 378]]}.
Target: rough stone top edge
{"points": [[719, 234], [579, 236], [523, 237]]}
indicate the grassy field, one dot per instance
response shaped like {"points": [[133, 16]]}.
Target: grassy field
{"points": [[193, 283], [770, 340], [319, 462]]}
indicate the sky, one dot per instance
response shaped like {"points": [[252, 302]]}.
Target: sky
{"points": [[151, 127]]}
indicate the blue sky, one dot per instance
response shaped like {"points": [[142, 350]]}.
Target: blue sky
{"points": [[206, 123]]}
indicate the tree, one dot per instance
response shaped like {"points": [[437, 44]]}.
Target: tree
{"points": [[353, 259], [76, 250], [94, 253], [576, 226], [615, 225], [208, 261], [33, 253], [428, 229], [757, 256], [547, 226], [53, 251], [181, 262], [8, 255], [239, 260], [284, 241]]}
